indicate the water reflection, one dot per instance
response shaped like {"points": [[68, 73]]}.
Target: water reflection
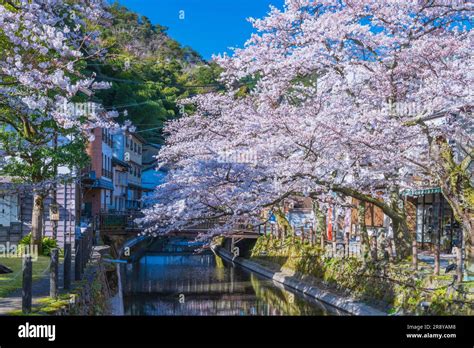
{"points": [[190, 284]]}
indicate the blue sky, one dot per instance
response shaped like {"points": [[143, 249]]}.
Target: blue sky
{"points": [[209, 26]]}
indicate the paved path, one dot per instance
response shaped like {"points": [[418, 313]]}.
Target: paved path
{"points": [[40, 290]]}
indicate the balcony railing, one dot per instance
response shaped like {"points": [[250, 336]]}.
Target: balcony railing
{"points": [[107, 173], [118, 220]]}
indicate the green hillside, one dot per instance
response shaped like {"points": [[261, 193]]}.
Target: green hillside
{"points": [[149, 72]]}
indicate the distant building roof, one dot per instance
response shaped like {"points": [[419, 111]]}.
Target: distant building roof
{"points": [[139, 137], [150, 151]]}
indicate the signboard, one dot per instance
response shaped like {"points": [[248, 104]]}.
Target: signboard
{"points": [[421, 192], [54, 212]]}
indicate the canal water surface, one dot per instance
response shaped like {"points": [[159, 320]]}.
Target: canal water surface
{"points": [[190, 284]]}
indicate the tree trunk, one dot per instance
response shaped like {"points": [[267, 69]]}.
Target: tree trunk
{"points": [[37, 221], [464, 215], [365, 243], [320, 219], [401, 233], [282, 221], [455, 182], [414, 255]]}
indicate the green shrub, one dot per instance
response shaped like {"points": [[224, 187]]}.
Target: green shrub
{"points": [[47, 244]]}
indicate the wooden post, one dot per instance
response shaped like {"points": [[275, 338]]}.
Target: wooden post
{"points": [[458, 264], [393, 251], [436, 258], [84, 254], [53, 273], [77, 259], [67, 266], [322, 241], [374, 247], [415, 256], [439, 225], [311, 234], [27, 268], [302, 234], [346, 244]]}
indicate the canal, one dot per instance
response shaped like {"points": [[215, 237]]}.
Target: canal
{"points": [[188, 284]]}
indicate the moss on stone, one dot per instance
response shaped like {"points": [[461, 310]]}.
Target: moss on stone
{"points": [[395, 288]]}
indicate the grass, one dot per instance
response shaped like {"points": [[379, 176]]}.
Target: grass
{"points": [[13, 281], [45, 306]]}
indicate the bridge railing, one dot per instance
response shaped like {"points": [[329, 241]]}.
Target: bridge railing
{"points": [[118, 220]]}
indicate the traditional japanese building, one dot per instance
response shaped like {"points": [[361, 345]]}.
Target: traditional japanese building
{"points": [[16, 204], [433, 218]]}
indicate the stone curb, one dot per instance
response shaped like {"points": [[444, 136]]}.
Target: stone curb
{"points": [[346, 304]]}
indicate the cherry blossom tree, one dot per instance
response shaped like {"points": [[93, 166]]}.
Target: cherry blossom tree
{"points": [[43, 47], [361, 98]]}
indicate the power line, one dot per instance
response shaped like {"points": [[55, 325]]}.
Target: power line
{"points": [[132, 104], [155, 82], [147, 130]]}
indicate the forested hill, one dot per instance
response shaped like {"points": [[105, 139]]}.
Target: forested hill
{"points": [[149, 72]]}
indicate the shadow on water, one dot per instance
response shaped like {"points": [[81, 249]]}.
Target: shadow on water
{"points": [[183, 283]]}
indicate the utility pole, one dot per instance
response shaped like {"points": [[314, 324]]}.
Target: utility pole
{"points": [[54, 218], [54, 205]]}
